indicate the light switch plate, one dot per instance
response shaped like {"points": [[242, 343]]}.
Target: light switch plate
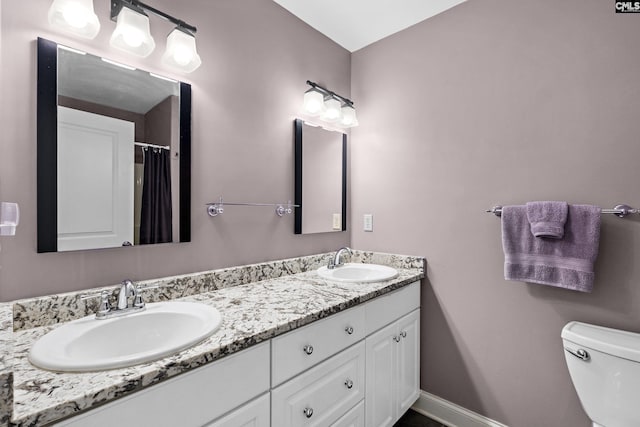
{"points": [[368, 222], [337, 221]]}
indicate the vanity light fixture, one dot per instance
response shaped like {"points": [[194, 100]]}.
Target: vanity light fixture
{"points": [[181, 50], [75, 16], [349, 118], [331, 107], [313, 102], [132, 35]]}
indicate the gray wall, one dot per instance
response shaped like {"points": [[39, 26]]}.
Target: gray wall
{"points": [[501, 102], [256, 59]]}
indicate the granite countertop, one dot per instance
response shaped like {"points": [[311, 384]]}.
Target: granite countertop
{"points": [[6, 363], [6, 337], [252, 313]]}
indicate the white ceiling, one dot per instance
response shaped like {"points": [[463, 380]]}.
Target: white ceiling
{"points": [[354, 24]]}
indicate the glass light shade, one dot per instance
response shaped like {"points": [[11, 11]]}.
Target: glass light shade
{"points": [[132, 33], [181, 51], [75, 16], [313, 102], [349, 118], [332, 111]]}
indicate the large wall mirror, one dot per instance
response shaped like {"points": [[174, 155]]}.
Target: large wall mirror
{"points": [[320, 179], [114, 153]]}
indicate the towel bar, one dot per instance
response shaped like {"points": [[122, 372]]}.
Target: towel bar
{"points": [[619, 210], [217, 208]]}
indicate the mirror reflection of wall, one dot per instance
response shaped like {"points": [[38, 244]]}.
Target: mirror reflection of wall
{"points": [[320, 179], [118, 149]]}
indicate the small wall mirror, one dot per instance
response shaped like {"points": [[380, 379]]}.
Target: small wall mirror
{"points": [[320, 179], [114, 153]]}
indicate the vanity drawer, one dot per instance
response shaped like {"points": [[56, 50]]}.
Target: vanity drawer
{"points": [[305, 347], [322, 395], [353, 418], [383, 310]]}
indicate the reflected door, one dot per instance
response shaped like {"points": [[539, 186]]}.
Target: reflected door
{"points": [[95, 180]]}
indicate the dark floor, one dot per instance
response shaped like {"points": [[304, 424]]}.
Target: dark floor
{"points": [[414, 419]]}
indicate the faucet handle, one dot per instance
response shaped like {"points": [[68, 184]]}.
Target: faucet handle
{"points": [[138, 302], [105, 306]]}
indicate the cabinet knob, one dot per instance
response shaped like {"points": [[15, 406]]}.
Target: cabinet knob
{"points": [[308, 412], [404, 334], [349, 330], [396, 338], [349, 384], [308, 349]]}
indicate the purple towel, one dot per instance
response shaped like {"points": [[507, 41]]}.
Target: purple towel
{"points": [[566, 263], [547, 219]]}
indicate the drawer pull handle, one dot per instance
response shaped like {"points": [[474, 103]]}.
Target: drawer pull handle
{"points": [[396, 338], [308, 349], [308, 412], [349, 384], [349, 330], [404, 334]]}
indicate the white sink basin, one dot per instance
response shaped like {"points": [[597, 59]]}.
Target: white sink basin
{"points": [[354, 272], [160, 330]]}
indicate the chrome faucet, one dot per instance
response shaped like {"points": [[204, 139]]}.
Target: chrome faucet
{"points": [[336, 261], [127, 289]]}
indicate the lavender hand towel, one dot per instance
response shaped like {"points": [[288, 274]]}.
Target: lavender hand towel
{"points": [[547, 219], [566, 263]]}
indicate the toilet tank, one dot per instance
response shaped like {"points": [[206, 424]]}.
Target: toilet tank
{"points": [[604, 365]]}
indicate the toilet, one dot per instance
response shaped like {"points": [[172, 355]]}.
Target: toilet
{"points": [[604, 365]]}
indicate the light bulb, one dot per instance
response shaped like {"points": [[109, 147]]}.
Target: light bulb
{"points": [[74, 16], [77, 17], [182, 56], [332, 111], [313, 102], [132, 33], [348, 116], [133, 37], [181, 51]]}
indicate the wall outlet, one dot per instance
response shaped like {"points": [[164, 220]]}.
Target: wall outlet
{"points": [[368, 222], [337, 221]]}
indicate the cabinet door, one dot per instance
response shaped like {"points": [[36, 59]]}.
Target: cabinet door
{"points": [[253, 414], [408, 362], [380, 406]]}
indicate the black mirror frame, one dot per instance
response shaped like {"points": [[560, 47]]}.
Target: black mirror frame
{"points": [[297, 131], [47, 142]]}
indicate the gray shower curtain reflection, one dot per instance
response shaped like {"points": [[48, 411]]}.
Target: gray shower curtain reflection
{"points": [[155, 219]]}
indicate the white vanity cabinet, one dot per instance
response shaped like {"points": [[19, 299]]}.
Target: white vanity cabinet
{"points": [[370, 352], [393, 370], [356, 368], [192, 399]]}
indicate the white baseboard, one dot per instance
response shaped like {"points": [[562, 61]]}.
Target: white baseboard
{"points": [[449, 413]]}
